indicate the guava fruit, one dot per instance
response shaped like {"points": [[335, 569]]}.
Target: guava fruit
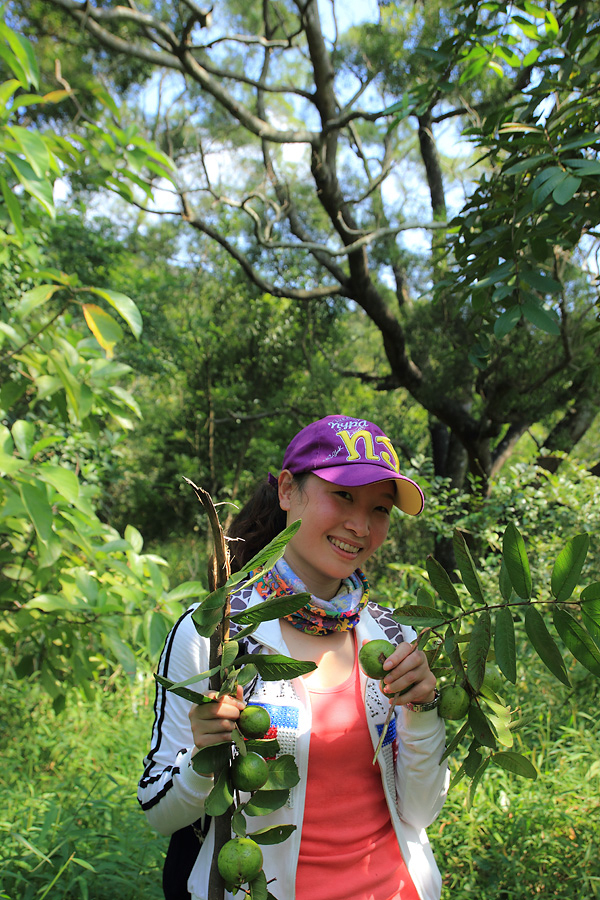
{"points": [[249, 772], [254, 721], [372, 655], [454, 702], [240, 860]]}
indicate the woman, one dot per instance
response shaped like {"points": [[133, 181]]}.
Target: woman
{"points": [[360, 828]]}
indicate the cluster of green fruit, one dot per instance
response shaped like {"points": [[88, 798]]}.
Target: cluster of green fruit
{"points": [[455, 699], [240, 860]]}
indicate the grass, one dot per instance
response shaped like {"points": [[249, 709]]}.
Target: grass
{"points": [[71, 828]]}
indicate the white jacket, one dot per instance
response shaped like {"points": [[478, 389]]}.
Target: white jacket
{"points": [[173, 795]]}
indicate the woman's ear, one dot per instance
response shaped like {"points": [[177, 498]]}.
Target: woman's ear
{"points": [[285, 486]]}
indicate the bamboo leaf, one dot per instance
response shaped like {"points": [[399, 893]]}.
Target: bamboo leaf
{"points": [[577, 640], [467, 567], [515, 763], [544, 645], [441, 582], [568, 566], [515, 559], [479, 646], [504, 644]]}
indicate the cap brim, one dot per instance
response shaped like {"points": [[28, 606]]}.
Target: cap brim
{"points": [[409, 496]]}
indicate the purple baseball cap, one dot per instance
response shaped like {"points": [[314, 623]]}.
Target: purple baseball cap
{"points": [[351, 452]]}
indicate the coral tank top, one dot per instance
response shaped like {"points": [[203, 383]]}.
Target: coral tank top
{"points": [[348, 849]]}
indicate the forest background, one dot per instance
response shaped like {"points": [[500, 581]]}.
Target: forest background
{"points": [[217, 226]]}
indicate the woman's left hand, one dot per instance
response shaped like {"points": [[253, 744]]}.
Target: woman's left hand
{"points": [[409, 676]]}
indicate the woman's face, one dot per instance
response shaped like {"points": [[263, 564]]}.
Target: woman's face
{"points": [[341, 528]]}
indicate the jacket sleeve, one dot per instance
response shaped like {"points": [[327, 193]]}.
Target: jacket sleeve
{"points": [[421, 780], [171, 794]]}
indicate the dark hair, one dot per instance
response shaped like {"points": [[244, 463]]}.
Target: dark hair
{"points": [[257, 523]]}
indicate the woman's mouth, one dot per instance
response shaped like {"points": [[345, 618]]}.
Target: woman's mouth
{"points": [[345, 547]]}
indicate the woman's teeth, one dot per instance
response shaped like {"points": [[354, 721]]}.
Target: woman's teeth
{"points": [[348, 548]]}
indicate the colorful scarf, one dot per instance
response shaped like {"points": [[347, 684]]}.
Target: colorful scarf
{"points": [[318, 616]]}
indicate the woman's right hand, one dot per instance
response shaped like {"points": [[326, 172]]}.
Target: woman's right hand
{"points": [[212, 723]]}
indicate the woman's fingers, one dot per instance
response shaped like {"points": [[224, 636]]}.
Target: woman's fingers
{"points": [[409, 675], [213, 722]]}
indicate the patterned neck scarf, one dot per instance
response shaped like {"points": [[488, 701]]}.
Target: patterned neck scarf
{"points": [[318, 616]]}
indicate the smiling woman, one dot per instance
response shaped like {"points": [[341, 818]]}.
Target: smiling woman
{"points": [[340, 478]]}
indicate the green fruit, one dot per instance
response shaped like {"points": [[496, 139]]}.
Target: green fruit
{"points": [[372, 655], [249, 772], [254, 721], [454, 702], [240, 860]]}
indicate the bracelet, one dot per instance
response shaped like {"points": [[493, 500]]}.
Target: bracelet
{"points": [[424, 707]]}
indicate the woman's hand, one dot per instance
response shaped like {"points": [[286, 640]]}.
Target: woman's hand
{"points": [[212, 723], [408, 674]]}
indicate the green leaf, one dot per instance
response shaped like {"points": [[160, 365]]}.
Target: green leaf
{"points": [[275, 667], [541, 318], [188, 589], [124, 306], [568, 566], [479, 646], [283, 773], [65, 481], [504, 644], [266, 747], [271, 609], [544, 645], [441, 582], [475, 782], [105, 329], [33, 148], [515, 559], [505, 584], [221, 797], [481, 728], [418, 616], [452, 746], [258, 887], [30, 300], [133, 536], [23, 434], [577, 640], [211, 759], [247, 674], [515, 763], [121, 651], [451, 648], [184, 692], [238, 823], [209, 611], [157, 632], [566, 189], [264, 802], [506, 321], [590, 612], [467, 567], [276, 834], [230, 651]]}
